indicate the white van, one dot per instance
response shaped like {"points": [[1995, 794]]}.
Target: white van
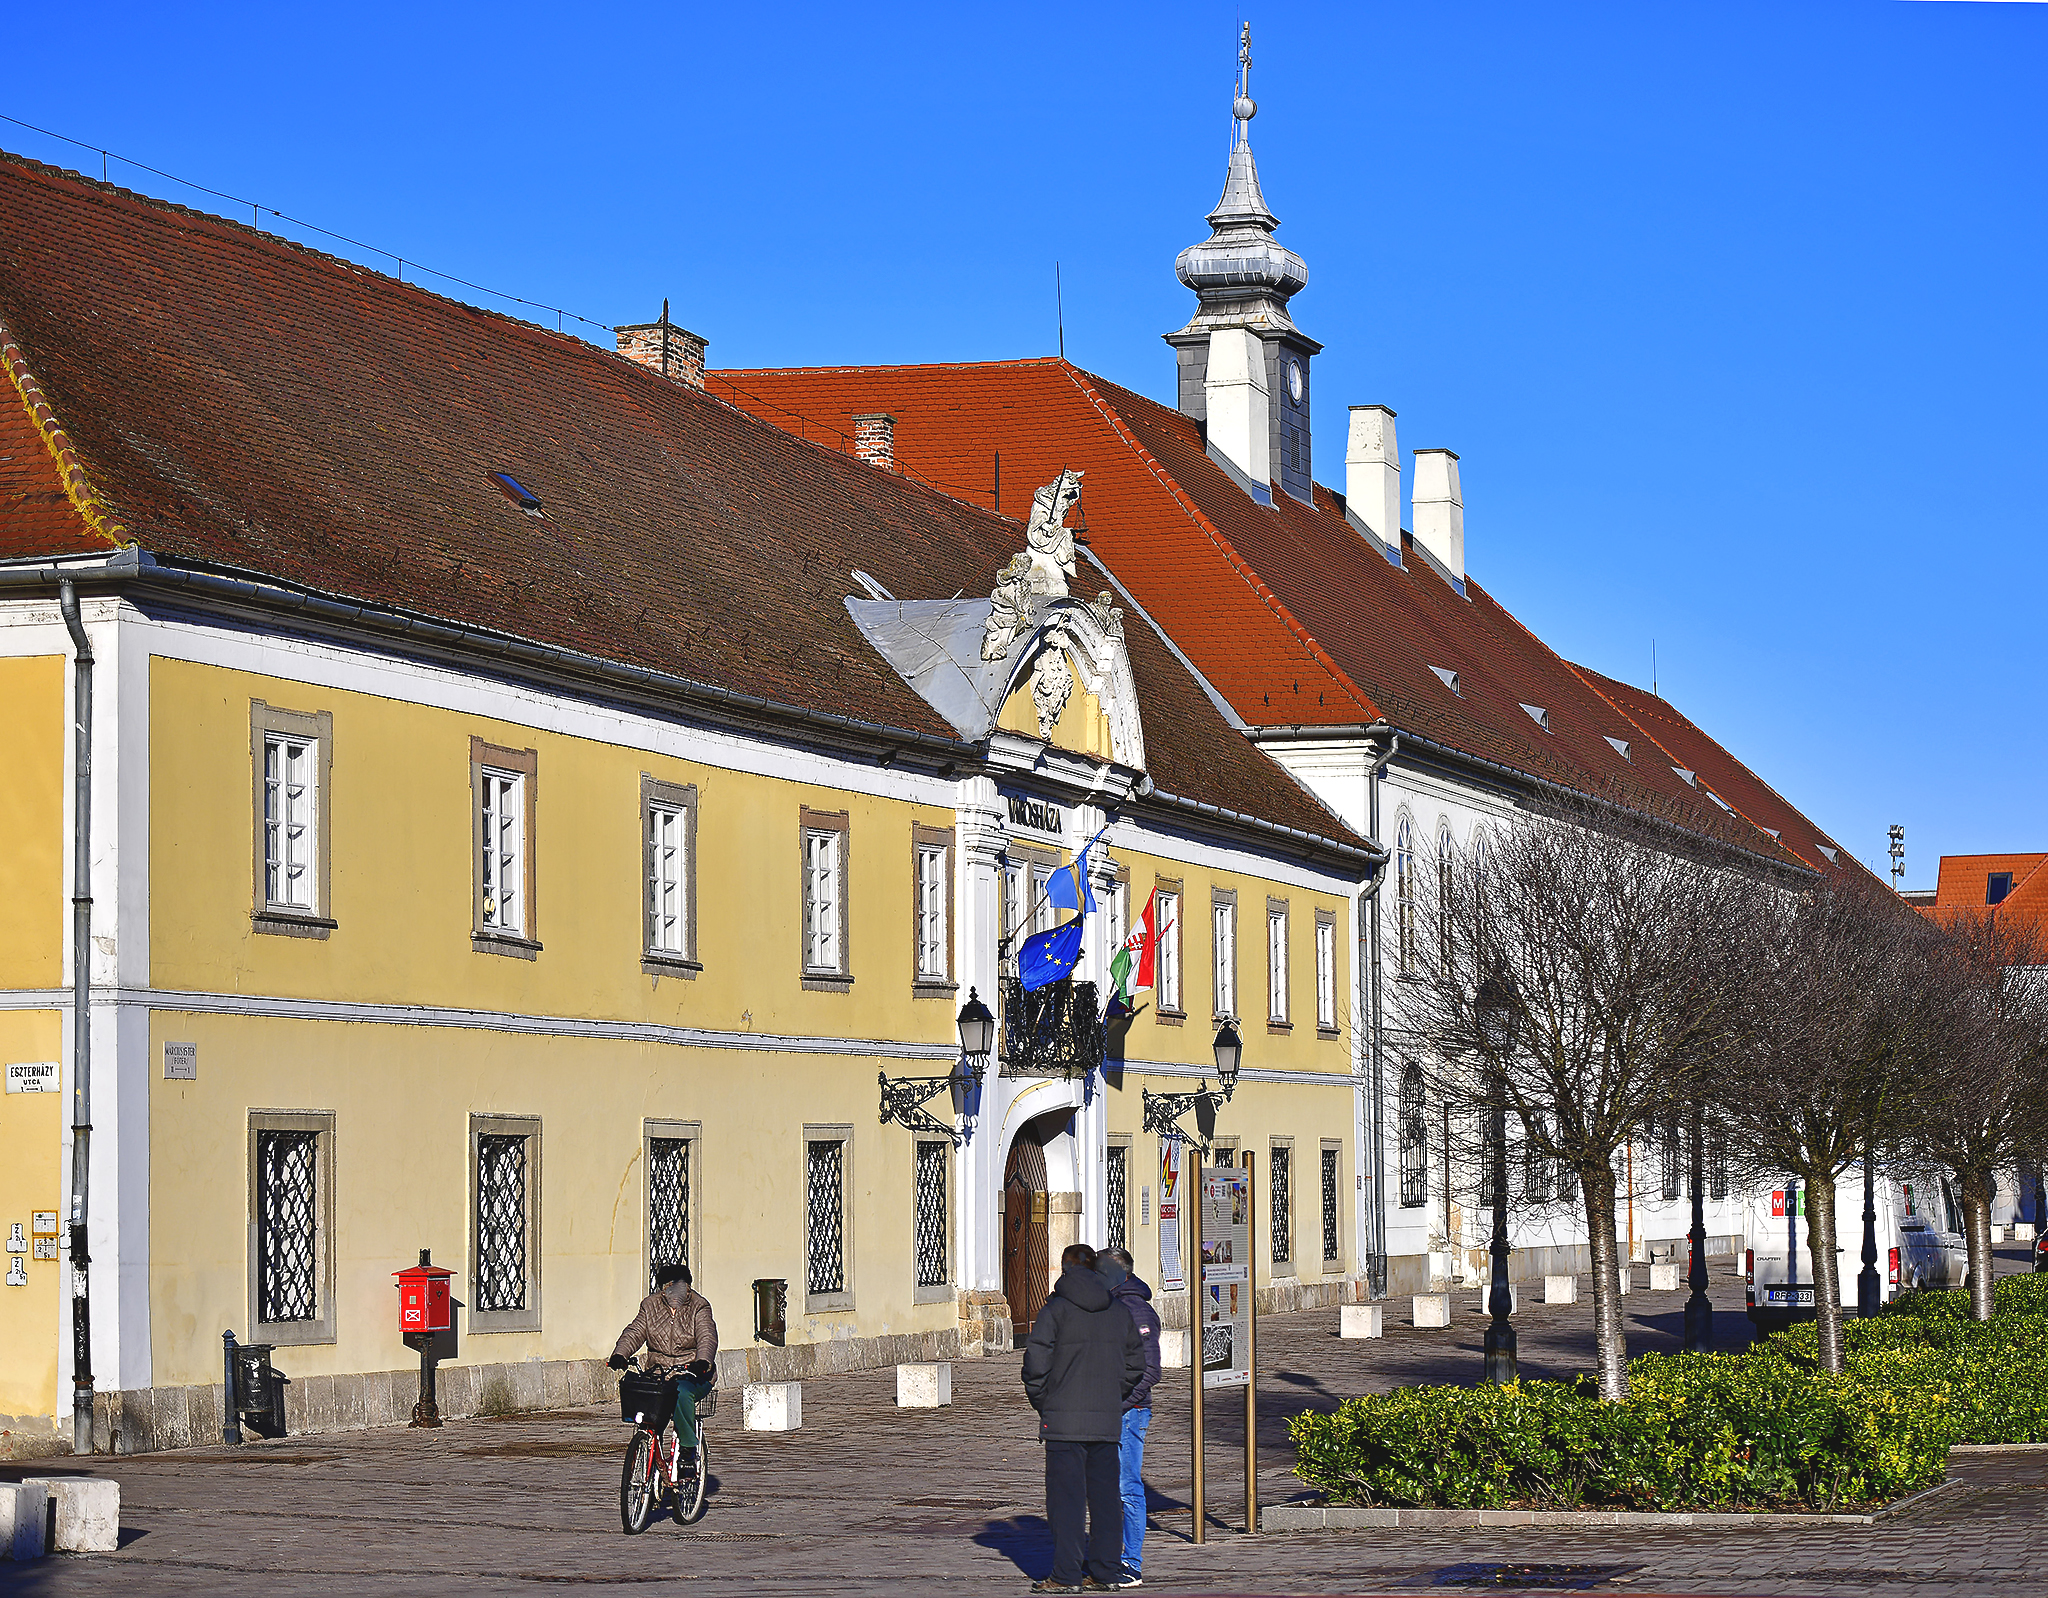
{"points": [[1919, 1244]]}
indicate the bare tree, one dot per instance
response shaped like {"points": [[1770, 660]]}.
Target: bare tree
{"points": [[1828, 1037], [1982, 1100], [1575, 972]]}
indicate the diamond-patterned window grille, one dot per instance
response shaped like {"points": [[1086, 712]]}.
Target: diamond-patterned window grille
{"points": [[1279, 1180], [286, 1217], [668, 1203], [1117, 1185], [1717, 1166], [1414, 1140], [1673, 1161], [501, 1221], [825, 1231], [932, 1215], [1489, 1160], [1330, 1248], [1536, 1171]]}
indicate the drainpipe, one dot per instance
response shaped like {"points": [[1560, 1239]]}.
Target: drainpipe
{"points": [[1376, 1091], [81, 1020]]}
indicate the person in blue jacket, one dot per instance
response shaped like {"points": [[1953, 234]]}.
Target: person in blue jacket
{"points": [[1115, 1266]]}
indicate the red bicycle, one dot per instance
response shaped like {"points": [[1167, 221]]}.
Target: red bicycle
{"points": [[658, 1469]]}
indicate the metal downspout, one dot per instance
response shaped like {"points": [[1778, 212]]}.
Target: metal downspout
{"points": [[1376, 1088], [81, 1019]]}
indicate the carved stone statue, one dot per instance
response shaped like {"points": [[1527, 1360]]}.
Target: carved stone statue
{"points": [[1111, 618], [1052, 683], [1014, 604], [1047, 536]]}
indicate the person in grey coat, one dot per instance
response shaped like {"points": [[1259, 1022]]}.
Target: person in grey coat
{"points": [[1084, 1358]]}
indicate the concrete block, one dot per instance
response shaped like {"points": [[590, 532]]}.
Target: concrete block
{"points": [[23, 1509], [773, 1406], [88, 1512], [1173, 1348], [924, 1386], [1627, 1280], [1560, 1290], [1664, 1278], [1432, 1309], [1359, 1320], [1483, 1301]]}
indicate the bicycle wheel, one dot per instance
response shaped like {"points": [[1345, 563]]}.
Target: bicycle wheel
{"points": [[638, 1484], [690, 1490]]}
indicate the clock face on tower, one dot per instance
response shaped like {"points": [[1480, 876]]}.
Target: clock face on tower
{"points": [[1294, 382]]}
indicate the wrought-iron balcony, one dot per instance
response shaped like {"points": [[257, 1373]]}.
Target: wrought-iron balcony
{"points": [[1055, 1031]]}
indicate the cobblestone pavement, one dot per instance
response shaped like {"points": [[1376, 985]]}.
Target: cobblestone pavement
{"points": [[870, 1498]]}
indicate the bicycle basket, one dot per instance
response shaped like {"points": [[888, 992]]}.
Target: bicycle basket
{"points": [[707, 1406], [646, 1401]]}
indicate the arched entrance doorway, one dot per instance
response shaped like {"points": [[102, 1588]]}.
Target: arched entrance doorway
{"points": [[1027, 1253]]}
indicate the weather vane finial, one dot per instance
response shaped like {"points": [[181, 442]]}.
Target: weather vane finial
{"points": [[1245, 107]]}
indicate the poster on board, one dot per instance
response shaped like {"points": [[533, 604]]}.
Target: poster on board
{"points": [[1172, 1273], [1226, 1277]]}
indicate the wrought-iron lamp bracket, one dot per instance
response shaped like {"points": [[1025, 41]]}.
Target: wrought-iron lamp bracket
{"points": [[1164, 1110], [904, 1099]]}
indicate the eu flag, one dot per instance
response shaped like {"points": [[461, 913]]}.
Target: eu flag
{"points": [[1047, 957]]}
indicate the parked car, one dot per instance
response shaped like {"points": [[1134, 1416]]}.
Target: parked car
{"points": [[1919, 1244]]}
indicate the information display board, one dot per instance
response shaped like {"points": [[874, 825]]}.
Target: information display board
{"points": [[1226, 1279], [1173, 1276]]}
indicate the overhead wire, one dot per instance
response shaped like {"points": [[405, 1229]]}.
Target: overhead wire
{"points": [[256, 208]]}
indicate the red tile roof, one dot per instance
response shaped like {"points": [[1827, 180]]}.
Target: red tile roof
{"points": [[228, 399], [1964, 879], [1293, 617]]}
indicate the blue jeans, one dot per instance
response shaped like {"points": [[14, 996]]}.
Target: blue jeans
{"points": [[1131, 1477]]}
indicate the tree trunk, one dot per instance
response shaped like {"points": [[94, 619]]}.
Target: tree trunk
{"points": [[1978, 1187], [1597, 1187], [1827, 1272]]}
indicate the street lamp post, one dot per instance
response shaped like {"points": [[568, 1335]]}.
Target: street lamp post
{"points": [[904, 1098], [1497, 1018], [1868, 1295], [1699, 1309]]}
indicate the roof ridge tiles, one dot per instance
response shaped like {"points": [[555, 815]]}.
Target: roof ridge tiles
{"points": [[42, 417], [1229, 551]]}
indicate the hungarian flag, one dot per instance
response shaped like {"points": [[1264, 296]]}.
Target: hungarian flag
{"points": [[1131, 969]]}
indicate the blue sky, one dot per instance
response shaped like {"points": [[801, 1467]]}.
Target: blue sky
{"points": [[1733, 312]]}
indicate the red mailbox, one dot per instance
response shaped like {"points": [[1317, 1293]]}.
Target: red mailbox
{"points": [[423, 1299]]}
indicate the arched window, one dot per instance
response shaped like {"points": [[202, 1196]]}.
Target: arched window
{"points": [[1404, 896], [1414, 1140], [1446, 858]]}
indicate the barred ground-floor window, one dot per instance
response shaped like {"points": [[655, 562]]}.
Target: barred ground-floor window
{"points": [[932, 1219], [1414, 1140], [828, 1276], [1279, 1190], [1332, 1240], [504, 1253], [671, 1193], [291, 1183], [1117, 1196]]}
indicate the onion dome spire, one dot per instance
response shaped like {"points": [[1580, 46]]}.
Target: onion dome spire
{"points": [[1241, 274]]}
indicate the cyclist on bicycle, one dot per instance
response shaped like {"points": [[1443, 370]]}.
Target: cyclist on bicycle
{"points": [[676, 1327]]}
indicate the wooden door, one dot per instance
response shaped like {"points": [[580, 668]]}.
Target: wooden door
{"points": [[1026, 1274]]}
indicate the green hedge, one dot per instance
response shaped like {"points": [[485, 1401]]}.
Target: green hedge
{"points": [[1763, 1429]]}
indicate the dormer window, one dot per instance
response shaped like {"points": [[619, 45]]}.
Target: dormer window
{"points": [[1539, 715], [1833, 855], [1690, 779], [1450, 680], [1997, 885], [1620, 746]]}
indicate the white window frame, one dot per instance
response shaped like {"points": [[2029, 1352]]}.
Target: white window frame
{"points": [[1326, 972], [1223, 935], [1404, 897], [526, 1317], [296, 841], [822, 850], [1279, 972], [1166, 964], [504, 800], [931, 911], [668, 878]]}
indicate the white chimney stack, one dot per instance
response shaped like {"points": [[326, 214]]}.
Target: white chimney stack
{"points": [[1372, 474], [1240, 413], [1439, 520]]}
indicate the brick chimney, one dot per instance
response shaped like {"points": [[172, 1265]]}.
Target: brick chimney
{"points": [[675, 352], [874, 439]]}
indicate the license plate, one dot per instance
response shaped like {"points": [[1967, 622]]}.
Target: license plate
{"points": [[1789, 1295]]}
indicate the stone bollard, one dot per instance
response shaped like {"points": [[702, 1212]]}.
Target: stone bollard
{"points": [[1627, 1279], [1664, 1278], [1358, 1320], [1485, 1304], [88, 1512], [773, 1406], [23, 1509], [1432, 1309], [1560, 1290], [1173, 1348], [924, 1386]]}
